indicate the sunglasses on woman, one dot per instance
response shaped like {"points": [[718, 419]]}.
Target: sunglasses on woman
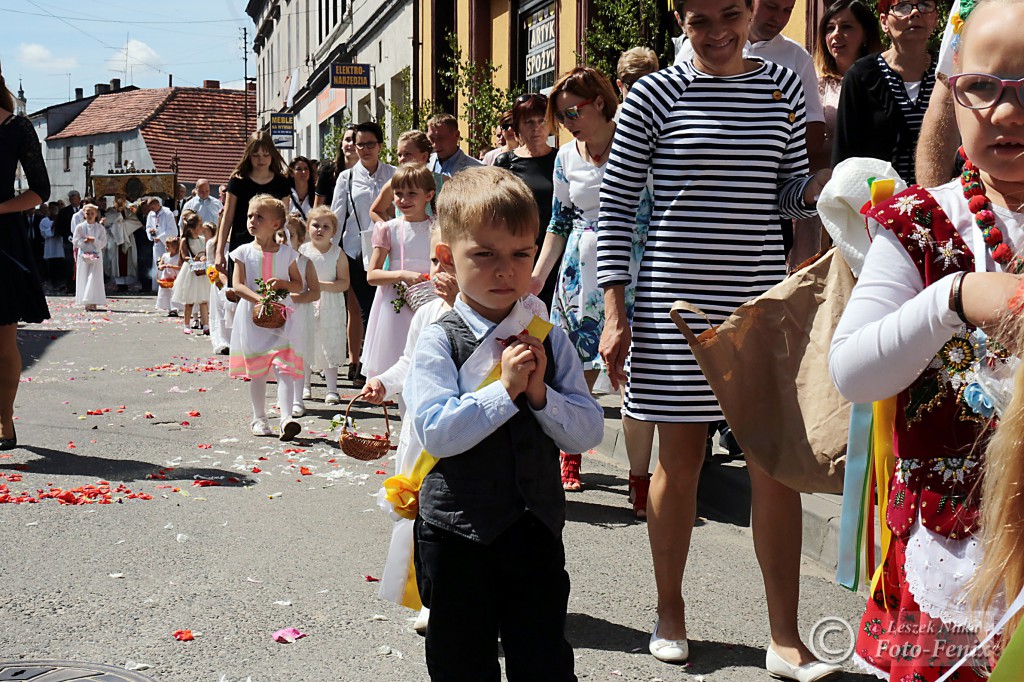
{"points": [[982, 90], [571, 113]]}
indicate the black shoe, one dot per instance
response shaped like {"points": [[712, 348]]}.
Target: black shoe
{"points": [[353, 371], [172, 313], [9, 443]]}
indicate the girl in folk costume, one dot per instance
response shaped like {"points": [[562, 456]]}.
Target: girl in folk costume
{"points": [[328, 331], [190, 286], [256, 350], [89, 238], [305, 311], [941, 269], [167, 267], [220, 333], [404, 243]]}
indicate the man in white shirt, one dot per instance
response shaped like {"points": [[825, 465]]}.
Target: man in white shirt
{"points": [[767, 42], [448, 158], [160, 225], [354, 193], [208, 208]]}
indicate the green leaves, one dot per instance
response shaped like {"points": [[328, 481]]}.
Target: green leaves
{"points": [[482, 102]]}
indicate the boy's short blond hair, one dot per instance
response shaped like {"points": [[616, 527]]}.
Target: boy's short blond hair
{"points": [[324, 214], [636, 63], [485, 195], [273, 205]]}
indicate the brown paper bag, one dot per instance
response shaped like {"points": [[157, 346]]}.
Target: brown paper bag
{"points": [[768, 366]]}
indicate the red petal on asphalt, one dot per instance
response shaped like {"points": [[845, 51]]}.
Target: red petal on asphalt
{"points": [[71, 445], [305, 471], [185, 424], [291, 450], [204, 483], [381, 471], [371, 579], [194, 413], [256, 470], [148, 415], [204, 446], [183, 635]]}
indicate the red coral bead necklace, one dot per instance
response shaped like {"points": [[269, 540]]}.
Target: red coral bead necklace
{"points": [[985, 217]]}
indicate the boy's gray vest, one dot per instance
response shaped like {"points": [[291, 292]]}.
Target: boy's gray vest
{"points": [[480, 493]]}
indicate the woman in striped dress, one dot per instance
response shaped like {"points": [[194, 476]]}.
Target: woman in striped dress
{"points": [[723, 137]]}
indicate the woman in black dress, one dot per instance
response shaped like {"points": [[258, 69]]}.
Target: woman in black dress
{"points": [[23, 299], [261, 171], [533, 161], [884, 96]]}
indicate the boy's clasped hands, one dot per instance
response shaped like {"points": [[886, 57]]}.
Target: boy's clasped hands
{"points": [[523, 363]]}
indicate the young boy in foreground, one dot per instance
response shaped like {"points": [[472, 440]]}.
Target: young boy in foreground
{"points": [[489, 554]]}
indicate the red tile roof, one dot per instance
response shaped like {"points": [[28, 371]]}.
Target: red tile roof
{"points": [[206, 127], [114, 113]]}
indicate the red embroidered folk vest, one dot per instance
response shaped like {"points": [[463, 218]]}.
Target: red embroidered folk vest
{"points": [[937, 436]]}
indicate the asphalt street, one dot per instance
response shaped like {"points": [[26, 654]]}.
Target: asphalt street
{"points": [[244, 536]]}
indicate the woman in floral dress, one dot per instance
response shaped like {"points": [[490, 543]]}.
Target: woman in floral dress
{"points": [[585, 102]]}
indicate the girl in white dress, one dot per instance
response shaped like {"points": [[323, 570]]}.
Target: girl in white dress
{"points": [[220, 334], [89, 238], [305, 311], [190, 286], [328, 337], [167, 267], [255, 351], [404, 244]]}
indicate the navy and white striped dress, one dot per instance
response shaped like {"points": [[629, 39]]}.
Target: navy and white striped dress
{"points": [[728, 158]]}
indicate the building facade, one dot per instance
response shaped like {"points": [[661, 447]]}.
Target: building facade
{"points": [[298, 41], [200, 130]]}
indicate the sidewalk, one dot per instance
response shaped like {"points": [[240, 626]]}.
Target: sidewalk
{"points": [[724, 492]]}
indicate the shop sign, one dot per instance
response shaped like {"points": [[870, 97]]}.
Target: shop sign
{"points": [[540, 49], [350, 75], [282, 130]]}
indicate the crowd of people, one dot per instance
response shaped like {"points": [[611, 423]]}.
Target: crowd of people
{"points": [[489, 297]]}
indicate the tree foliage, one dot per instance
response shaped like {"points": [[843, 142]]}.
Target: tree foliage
{"points": [[482, 101], [331, 142], [624, 24]]}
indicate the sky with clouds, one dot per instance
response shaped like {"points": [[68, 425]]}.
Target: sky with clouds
{"points": [[139, 42]]}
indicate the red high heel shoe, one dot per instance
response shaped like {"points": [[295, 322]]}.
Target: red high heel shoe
{"points": [[638, 487], [571, 473]]}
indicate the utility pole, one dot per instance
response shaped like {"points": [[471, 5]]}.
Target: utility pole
{"points": [[245, 75]]}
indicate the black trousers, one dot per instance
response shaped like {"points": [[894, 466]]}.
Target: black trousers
{"points": [[362, 289], [143, 259], [516, 586]]}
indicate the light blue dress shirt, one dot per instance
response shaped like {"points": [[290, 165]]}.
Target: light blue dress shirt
{"points": [[448, 422]]}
